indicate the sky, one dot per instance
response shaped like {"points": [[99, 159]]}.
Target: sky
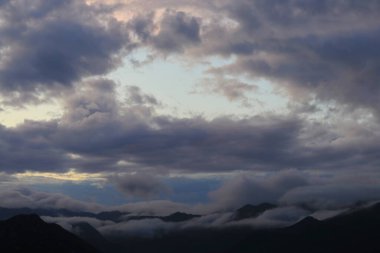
{"points": [[193, 105]]}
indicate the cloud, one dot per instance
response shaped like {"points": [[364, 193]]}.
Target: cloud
{"points": [[331, 196], [6, 178], [177, 30], [246, 189], [324, 55], [20, 151], [68, 223], [320, 49], [173, 32], [315, 47], [139, 185], [99, 132], [134, 228], [232, 89], [136, 96], [326, 214], [277, 217], [19, 197], [154, 207], [313, 190], [139, 228], [209, 220], [24, 197], [47, 46]]}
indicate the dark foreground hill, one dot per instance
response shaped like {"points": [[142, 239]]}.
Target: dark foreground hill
{"points": [[28, 233]]}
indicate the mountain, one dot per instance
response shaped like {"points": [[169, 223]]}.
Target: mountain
{"points": [[357, 230], [251, 211], [178, 217], [174, 217], [6, 213], [115, 216], [351, 232], [92, 236], [29, 233], [306, 223]]}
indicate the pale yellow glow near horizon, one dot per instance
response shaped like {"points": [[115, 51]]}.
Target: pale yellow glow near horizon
{"points": [[72, 175], [11, 117]]}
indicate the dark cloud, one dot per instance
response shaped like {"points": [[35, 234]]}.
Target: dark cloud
{"points": [[177, 30], [29, 147], [50, 45], [187, 144], [332, 196], [327, 48], [321, 47], [294, 43], [139, 185], [174, 32], [98, 132]]}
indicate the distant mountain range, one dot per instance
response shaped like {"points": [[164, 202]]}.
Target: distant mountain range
{"points": [[245, 212], [357, 230], [6, 213], [115, 216]]}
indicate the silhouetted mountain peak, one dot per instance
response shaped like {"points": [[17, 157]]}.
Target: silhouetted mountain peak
{"points": [[179, 216], [85, 228], [26, 219], [306, 222], [90, 235], [110, 215], [252, 211], [29, 233]]}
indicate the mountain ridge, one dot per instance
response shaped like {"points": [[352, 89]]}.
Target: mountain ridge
{"points": [[29, 233]]}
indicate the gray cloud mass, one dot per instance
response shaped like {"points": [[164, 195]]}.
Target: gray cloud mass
{"points": [[49, 45], [109, 135], [323, 55], [325, 48], [177, 30], [140, 185]]}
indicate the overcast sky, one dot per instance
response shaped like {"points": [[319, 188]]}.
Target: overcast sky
{"points": [[204, 103]]}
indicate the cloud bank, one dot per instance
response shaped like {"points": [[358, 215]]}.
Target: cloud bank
{"points": [[322, 56]]}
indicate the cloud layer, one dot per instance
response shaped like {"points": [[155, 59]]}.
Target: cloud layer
{"points": [[323, 56], [47, 46]]}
